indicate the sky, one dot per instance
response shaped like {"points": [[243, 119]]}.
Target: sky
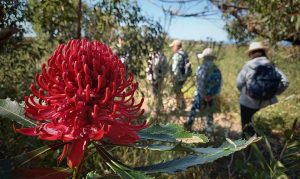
{"points": [[192, 28]]}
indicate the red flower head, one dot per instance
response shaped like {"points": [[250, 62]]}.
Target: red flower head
{"points": [[83, 96]]}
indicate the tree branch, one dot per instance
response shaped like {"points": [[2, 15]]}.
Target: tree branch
{"points": [[79, 14], [7, 33]]}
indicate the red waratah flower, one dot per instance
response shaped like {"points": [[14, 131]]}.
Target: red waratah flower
{"points": [[83, 96]]}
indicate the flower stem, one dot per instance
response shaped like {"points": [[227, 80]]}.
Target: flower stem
{"points": [[74, 173], [77, 172]]}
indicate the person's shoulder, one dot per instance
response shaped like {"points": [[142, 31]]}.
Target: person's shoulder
{"points": [[251, 63], [258, 62], [202, 68], [182, 52], [177, 55]]}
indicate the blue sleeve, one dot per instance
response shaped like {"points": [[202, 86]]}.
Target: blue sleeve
{"points": [[200, 75]]}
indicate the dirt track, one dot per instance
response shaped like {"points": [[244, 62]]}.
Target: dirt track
{"points": [[226, 124]]}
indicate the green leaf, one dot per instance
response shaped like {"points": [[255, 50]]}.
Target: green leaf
{"points": [[95, 175], [9, 165], [14, 111], [159, 147], [92, 175], [298, 23], [118, 167], [291, 157], [125, 172], [171, 133], [204, 155]]}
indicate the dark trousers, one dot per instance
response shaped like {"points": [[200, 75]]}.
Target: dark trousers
{"points": [[200, 104], [246, 117]]}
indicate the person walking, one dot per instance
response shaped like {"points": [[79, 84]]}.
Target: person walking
{"points": [[156, 71], [259, 82], [181, 69], [209, 81]]}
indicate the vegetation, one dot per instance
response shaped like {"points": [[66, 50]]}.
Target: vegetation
{"points": [[48, 23], [250, 18], [246, 19]]}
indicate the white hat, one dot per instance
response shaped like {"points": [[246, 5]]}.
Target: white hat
{"points": [[256, 46], [206, 52], [175, 43]]}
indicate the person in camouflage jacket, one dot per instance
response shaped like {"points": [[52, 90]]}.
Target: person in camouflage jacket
{"points": [[208, 83], [177, 76]]}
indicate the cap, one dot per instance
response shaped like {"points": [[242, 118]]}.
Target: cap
{"points": [[175, 43], [206, 52]]}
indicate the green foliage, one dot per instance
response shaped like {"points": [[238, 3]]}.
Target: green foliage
{"points": [[19, 62], [273, 160], [105, 20], [290, 154], [119, 168], [14, 111], [203, 155], [17, 57], [12, 15], [273, 20], [57, 19], [125, 172], [158, 147], [171, 133], [10, 165], [92, 175], [262, 165]]}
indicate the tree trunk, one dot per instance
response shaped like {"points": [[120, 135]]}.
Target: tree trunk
{"points": [[79, 15]]}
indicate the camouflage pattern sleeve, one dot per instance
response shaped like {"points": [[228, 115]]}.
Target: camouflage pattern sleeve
{"points": [[176, 59]]}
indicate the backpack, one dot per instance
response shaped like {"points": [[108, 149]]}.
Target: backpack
{"points": [[185, 66], [209, 84], [264, 83]]}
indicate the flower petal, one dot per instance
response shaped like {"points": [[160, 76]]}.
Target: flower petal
{"points": [[77, 151], [27, 131], [63, 154]]}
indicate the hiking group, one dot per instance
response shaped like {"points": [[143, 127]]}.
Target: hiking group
{"points": [[259, 82]]}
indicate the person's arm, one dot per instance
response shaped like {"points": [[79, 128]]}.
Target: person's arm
{"points": [[200, 76], [175, 68], [284, 82], [241, 78]]}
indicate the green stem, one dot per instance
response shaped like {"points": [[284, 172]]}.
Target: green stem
{"points": [[74, 176], [77, 172]]}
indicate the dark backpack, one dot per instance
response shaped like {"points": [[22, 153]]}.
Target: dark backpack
{"points": [[213, 81], [185, 66], [263, 85]]}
